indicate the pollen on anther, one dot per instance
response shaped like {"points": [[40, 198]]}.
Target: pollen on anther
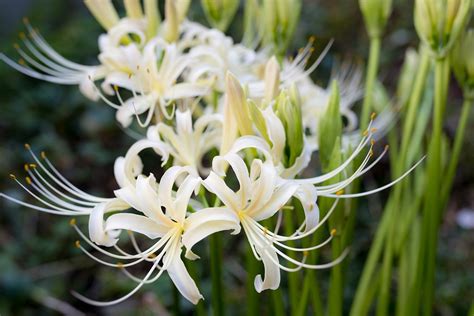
{"points": [[152, 256], [27, 146], [333, 232], [372, 142], [12, 176], [43, 155], [116, 88], [16, 46], [22, 35], [25, 166], [26, 20], [28, 180], [305, 253], [120, 265], [386, 147], [373, 115], [77, 244], [32, 165], [312, 38], [340, 192], [365, 133], [72, 222], [373, 130]]}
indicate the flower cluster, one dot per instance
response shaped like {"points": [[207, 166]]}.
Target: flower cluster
{"points": [[234, 125]]}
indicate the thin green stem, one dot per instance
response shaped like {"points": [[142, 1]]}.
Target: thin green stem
{"points": [[433, 184], [458, 142], [216, 275], [289, 228], [252, 270], [176, 301], [372, 70]]}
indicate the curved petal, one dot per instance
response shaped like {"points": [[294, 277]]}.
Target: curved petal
{"points": [[279, 198], [182, 280], [97, 231], [148, 199], [216, 185], [136, 223], [206, 222], [307, 194], [183, 195]]}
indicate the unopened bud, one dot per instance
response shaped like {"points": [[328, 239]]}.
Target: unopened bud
{"points": [[238, 104], [280, 18], [272, 79], [220, 13], [171, 21], [152, 17], [376, 14], [462, 60], [439, 23]]}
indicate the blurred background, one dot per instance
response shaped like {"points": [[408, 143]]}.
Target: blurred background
{"points": [[39, 264]]}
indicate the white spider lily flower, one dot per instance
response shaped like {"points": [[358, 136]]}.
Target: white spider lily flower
{"points": [[189, 142], [55, 194], [260, 196], [163, 219], [39, 60], [153, 76]]}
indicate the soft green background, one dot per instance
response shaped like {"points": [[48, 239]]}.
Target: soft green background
{"points": [[38, 262]]}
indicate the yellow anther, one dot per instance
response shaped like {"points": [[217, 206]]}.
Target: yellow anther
{"points": [[115, 88], [152, 256], [32, 165], [312, 39], [333, 232], [120, 265], [340, 192], [300, 50], [28, 180], [72, 222], [25, 20], [27, 146], [129, 76], [22, 35], [12, 176], [265, 231], [16, 46], [311, 50], [43, 155], [77, 244], [373, 130], [386, 147], [372, 142], [371, 153], [25, 166], [305, 253], [373, 115], [365, 133]]}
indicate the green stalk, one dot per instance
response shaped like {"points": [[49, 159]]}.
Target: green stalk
{"points": [[458, 142], [252, 269], [200, 307], [433, 184], [361, 302], [372, 69], [176, 301], [278, 302], [336, 281], [216, 275]]}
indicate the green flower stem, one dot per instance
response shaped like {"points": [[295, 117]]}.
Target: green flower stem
{"points": [[336, 281], [216, 275], [361, 302], [252, 269], [456, 150], [278, 302], [372, 70], [433, 184], [200, 307], [176, 301]]}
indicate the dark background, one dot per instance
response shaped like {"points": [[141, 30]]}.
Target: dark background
{"points": [[38, 261]]}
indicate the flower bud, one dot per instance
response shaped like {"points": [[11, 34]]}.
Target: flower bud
{"points": [[288, 110], [133, 8], [407, 75], [440, 22], [462, 60], [182, 6], [272, 79], [238, 104], [219, 13], [280, 18], [376, 14], [171, 21], [104, 12], [152, 16], [330, 126]]}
